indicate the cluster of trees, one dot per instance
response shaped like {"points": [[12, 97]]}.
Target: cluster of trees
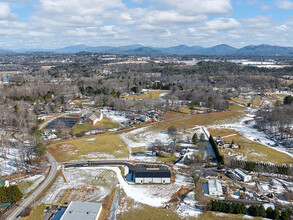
{"points": [[220, 158], [10, 194], [227, 207], [277, 123], [261, 167], [160, 85], [253, 210]]}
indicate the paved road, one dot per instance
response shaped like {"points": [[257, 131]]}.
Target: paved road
{"points": [[25, 203], [53, 170]]}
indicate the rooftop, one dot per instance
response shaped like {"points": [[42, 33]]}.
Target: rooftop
{"points": [[215, 186], [82, 210], [240, 172]]}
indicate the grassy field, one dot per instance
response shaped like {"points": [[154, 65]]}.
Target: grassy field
{"points": [[154, 94], [223, 216], [235, 107], [173, 115], [98, 146], [253, 151], [256, 101], [184, 110], [105, 124], [201, 119]]}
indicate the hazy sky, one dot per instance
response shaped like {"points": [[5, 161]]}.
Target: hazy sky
{"points": [[59, 23]]}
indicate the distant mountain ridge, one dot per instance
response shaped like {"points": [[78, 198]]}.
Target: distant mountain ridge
{"points": [[137, 49]]}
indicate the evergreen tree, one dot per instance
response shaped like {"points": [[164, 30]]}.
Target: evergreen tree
{"points": [[194, 138]]}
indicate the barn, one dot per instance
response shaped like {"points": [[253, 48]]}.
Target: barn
{"points": [[152, 174]]}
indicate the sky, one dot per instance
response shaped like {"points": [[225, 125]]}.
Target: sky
{"points": [[48, 24]]}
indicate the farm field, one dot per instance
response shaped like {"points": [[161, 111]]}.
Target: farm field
{"points": [[250, 150], [90, 147]]}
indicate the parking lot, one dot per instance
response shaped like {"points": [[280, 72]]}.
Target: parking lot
{"points": [[64, 123]]}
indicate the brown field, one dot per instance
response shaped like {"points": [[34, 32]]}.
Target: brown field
{"points": [[97, 146]]}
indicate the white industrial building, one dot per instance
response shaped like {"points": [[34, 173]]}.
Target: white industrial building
{"points": [[244, 177], [82, 211], [215, 188]]}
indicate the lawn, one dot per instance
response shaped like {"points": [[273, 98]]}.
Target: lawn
{"points": [[154, 94], [251, 150], [92, 147], [256, 101]]}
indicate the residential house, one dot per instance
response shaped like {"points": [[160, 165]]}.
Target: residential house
{"points": [[93, 118]]}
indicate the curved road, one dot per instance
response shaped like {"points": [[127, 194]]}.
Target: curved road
{"points": [[53, 170]]}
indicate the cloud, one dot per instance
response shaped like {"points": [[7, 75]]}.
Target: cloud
{"points": [[5, 12], [222, 24], [258, 22], [195, 7], [284, 4], [265, 7]]}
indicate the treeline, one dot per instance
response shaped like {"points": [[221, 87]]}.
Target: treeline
{"points": [[261, 167], [219, 157], [160, 85], [10, 194], [253, 210]]}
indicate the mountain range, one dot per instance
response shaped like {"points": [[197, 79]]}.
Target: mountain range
{"points": [[137, 49]]}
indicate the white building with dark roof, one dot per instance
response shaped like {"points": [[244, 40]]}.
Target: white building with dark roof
{"points": [[82, 211], [215, 188], [152, 174]]}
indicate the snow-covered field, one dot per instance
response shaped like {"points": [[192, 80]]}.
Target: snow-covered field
{"points": [[115, 116], [78, 178], [8, 164], [251, 133], [144, 137]]}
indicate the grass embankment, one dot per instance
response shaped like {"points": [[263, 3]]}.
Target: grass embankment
{"points": [[37, 213], [154, 94], [98, 146], [251, 150]]}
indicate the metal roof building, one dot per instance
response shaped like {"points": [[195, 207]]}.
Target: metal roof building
{"points": [[215, 188], [82, 211], [245, 177]]}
